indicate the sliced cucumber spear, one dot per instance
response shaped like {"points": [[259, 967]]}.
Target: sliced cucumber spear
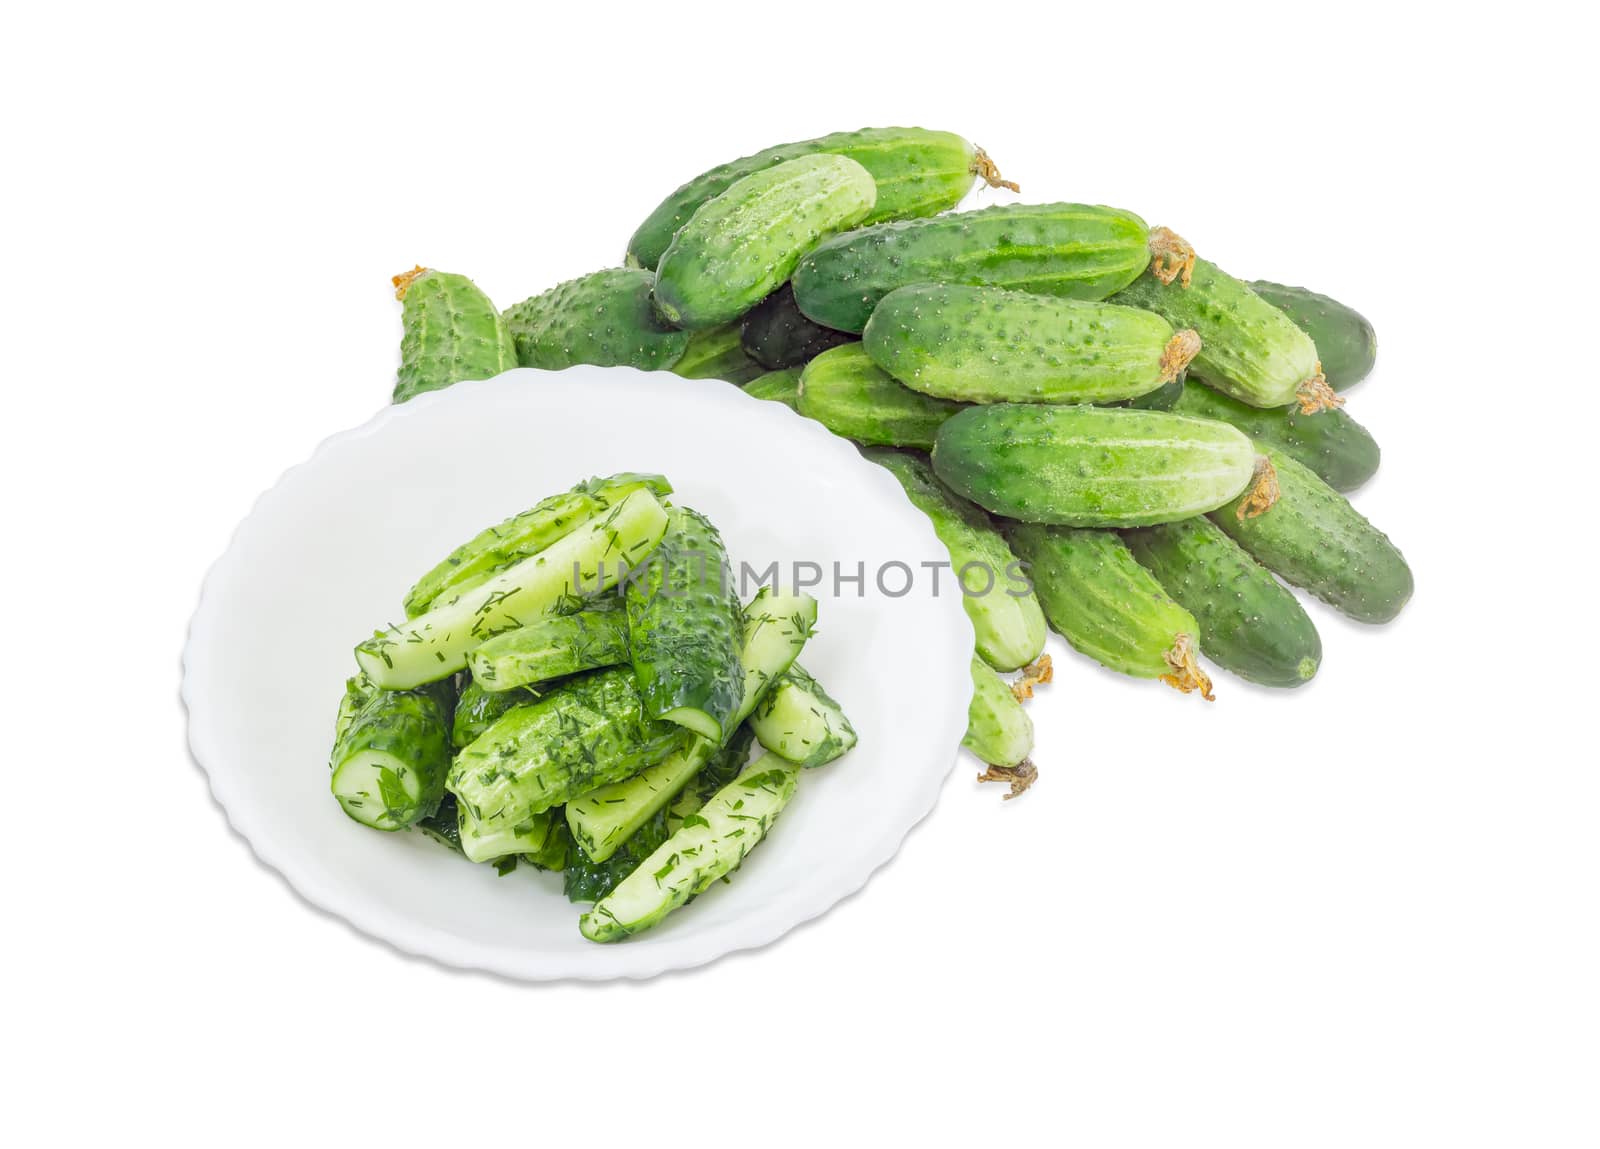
{"points": [[391, 758], [776, 626], [800, 721], [709, 845], [590, 559], [551, 648]]}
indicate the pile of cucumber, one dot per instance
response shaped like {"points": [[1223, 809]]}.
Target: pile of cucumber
{"points": [[1060, 385], [578, 688]]}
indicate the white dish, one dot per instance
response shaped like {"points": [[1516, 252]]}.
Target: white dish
{"points": [[326, 555]]}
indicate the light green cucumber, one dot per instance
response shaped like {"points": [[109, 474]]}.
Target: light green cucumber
{"points": [[1249, 624], [451, 333], [1346, 343], [1006, 617], [852, 396], [551, 647], [1075, 251], [716, 353], [740, 247], [390, 760], [778, 386], [999, 731], [1107, 606], [1313, 538], [991, 345], [777, 335], [917, 173], [800, 721], [607, 318], [1091, 466]]}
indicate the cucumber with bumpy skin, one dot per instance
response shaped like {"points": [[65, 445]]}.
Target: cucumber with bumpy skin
{"points": [[452, 333], [999, 731], [799, 720], [1009, 627], [1107, 606], [1075, 251], [1249, 623], [358, 691], [1331, 443], [1346, 343], [1312, 537], [478, 709], [716, 353], [1091, 466], [852, 396], [990, 345], [1163, 398], [709, 845], [550, 648], [776, 334], [607, 318], [917, 172], [390, 760], [740, 247], [778, 386]]}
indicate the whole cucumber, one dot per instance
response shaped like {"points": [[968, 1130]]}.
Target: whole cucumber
{"points": [[741, 246], [851, 396], [1345, 341], [607, 318], [778, 386], [716, 353], [1331, 443], [1312, 537], [1249, 623], [999, 731], [1091, 466], [450, 333], [990, 345], [776, 334], [1075, 251], [917, 172]]}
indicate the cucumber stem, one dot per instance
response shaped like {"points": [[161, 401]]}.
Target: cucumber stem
{"points": [[1037, 673], [1171, 256], [1021, 776], [1179, 353], [406, 278], [984, 168], [1316, 394], [1263, 492], [1186, 673]]}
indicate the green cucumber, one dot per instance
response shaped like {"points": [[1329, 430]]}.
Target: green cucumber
{"points": [[1313, 538], [917, 172], [1009, 627], [990, 345], [390, 761], [478, 709], [1248, 348], [1249, 624], [1075, 251], [999, 731], [506, 543], [777, 335], [709, 845], [775, 628], [358, 691], [852, 396], [1331, 443], [607, 318], [1163, 398], [1107, 606], [451, 333], [799, 720], [589, 732], [740, 247], [778, 386], [685, 629], [717, 354], [589, 560], [1091, 466], [552, 647], [501, 839], [1345, 341]]}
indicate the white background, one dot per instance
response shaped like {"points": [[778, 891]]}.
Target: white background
{"points": [[1362, 913]]}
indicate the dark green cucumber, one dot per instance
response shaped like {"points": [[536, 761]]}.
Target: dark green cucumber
{"points": [[390, 761], [550, 648], [717, 354], [607, 318], [1312, 537], [1009, 627], [999, 731], [358, 691], [1249, 624], [917, 172], [778, 386], [777, 335], [850, 395], [686, 629], [740, 247], [990, 345], [1074, 251], [451, 333], [1248, 348], [1331, 443], [1345, 341], [1107, 606], [1091, 466], [478, 709]]}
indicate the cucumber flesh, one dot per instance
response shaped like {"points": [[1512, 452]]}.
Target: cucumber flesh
{"points": [[798, 720]]}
